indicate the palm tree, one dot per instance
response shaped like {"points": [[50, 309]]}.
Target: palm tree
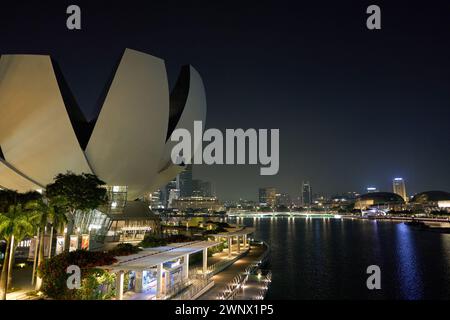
{"points": [[57, 219], [18, 237], [46, 213], [14, 223]]}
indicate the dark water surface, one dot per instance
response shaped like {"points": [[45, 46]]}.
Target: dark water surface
{"points": [[327, 259]]}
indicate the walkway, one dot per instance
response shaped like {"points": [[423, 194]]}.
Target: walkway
{"points": [[253, 288], [223, 278], [22, 284]]}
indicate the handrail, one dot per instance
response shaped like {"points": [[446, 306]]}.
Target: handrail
{"points": [[233, 287], [194, 289]]}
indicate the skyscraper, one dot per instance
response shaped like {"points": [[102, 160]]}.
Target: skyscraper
{"points": [[399, 188], [167, 191], [267, 196], [306, 193], [283, 199], [184, 182], [201, 188]]}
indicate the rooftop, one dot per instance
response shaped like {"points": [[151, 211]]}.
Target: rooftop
{"points": [[152, 257]]}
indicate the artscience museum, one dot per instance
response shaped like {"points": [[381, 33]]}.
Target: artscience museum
{"points": [[44, 133]]}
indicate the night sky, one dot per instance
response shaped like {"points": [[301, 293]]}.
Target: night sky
{"points": [[354, 107]]}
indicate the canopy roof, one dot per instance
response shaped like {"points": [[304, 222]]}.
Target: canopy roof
{"points": [[236, 233], [152, 257]]}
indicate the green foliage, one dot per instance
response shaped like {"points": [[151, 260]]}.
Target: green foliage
{"points": [[17, 222], [152, 241], [222, 225], [217, 249], [97, 284], [10, 198], [93, 280], [124, 249], [77, 191], [178, 238]]}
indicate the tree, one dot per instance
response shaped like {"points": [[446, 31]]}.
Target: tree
{"points": [[14, 223], [10, 198], [45, 212], [75, 192]]}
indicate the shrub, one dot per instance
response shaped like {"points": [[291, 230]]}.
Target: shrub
{"points": [[54, 275], [178, 238], [217, 249], [152, 241], [124, 249]]}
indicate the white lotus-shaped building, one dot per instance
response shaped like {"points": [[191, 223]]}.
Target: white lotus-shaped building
{"points": [[43, 132]]}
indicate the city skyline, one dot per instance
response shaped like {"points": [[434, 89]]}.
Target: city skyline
{"points": [[336, 90], [296, 195]]}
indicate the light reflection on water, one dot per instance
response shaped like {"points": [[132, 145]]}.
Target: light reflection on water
{"points": [[326, 258], [409, 274]]}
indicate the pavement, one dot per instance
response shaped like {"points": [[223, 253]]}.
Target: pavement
{"points": [[21, 284], [222, 279]]}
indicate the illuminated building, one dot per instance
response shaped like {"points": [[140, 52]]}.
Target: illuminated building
{"points": [[283, 199], [267, 197], [379, 200], [201, 188], [431, 201], [306, 194], [207, 204], [398, 186], [184, 181], [43, 132]]}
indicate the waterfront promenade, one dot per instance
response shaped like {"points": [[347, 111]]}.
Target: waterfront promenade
{"points": [[223, 278]]}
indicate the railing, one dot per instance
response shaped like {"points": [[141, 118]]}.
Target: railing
{"points": [[219, 266], [196, 286], [234, 287], [175, 289], [211, 270], [267, 280]]}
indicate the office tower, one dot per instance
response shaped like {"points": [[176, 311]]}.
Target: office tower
{"points": [[283, 199], [166, 191], [155, 199], [206, 189], [267, 196], [184, 182], [399, 188], [306, 193], [201, 188], [174, 194]]}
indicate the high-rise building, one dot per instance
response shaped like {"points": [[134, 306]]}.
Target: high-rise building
{"points": [[155, 199], [174, 194], [267, 197], [184, 182], [166, 191], [399, 188], [201, 188], [283, 199], [306, 193]]}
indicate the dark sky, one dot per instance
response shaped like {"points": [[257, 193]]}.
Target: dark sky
{"points": [[354, 107]]}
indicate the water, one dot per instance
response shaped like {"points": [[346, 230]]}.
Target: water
{"points": [[327, 258]]}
